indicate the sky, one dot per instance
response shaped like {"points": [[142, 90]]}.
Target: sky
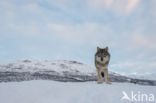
{"points": [[72, 30]]}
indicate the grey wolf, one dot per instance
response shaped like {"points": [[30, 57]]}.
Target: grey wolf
{"points": [[102, 58]]}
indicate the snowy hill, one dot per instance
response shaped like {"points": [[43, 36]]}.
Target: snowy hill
{"points": [[61, 70], [149, 76]]}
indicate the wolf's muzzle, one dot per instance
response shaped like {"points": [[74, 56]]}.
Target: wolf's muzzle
{"points": [[101, 59]]}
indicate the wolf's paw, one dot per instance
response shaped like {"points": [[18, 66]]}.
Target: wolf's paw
{"points": [[109, 83], [100, 82]]}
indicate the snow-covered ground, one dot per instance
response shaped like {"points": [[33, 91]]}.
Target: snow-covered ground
{"points": [[45, 91], [78, 84]]}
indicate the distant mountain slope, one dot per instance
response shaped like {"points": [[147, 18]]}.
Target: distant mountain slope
{"points": [[61, 70], [148, 76]]}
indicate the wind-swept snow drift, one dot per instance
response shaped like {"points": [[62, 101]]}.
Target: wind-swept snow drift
{"points": [[61, 70]]}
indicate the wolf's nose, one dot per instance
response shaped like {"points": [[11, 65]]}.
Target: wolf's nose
{"points": [[101, 59]]}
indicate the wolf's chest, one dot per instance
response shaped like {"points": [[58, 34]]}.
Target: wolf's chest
{"points": [[102, 66]]}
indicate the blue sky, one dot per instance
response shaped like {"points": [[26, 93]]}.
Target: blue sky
{"points": [[72, 29]]}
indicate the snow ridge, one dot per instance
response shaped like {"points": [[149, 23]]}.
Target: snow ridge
{"points": [[60, 70]]}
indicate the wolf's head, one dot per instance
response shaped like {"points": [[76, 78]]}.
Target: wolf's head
{"points": [[102, 54]]}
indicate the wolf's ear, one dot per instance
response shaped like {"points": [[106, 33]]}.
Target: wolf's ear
{"points": [[106, 48], [98, 48]]}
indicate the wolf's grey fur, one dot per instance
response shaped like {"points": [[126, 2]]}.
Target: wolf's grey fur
{"points": [[102, 58]]}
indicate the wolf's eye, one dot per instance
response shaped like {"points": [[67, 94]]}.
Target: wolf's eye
{"points": [[105, 54], [99, 55]]}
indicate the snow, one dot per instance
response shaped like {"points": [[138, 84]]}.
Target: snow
{"points": [[49, 91], [39, 91]]}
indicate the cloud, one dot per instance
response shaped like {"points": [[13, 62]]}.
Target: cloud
{"points": [[138, 40], [131, 5], [16, 22], [5, 4], [100, 3], [144, 42], [32, 7], [152, 10], [118, 6], [89, 32]]}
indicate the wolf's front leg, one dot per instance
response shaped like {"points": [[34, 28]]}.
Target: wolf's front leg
{"points": [[106, 76], [99, 77]]}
